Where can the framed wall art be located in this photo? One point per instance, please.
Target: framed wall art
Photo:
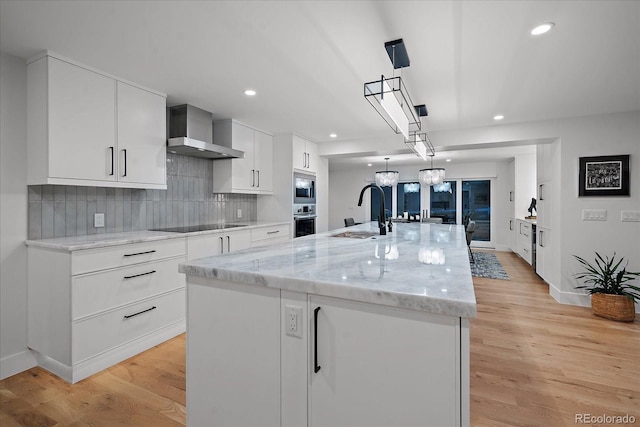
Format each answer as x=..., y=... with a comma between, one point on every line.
x=604, y=176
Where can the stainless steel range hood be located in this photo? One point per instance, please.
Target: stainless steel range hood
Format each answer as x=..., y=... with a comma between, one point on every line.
x=190, y=132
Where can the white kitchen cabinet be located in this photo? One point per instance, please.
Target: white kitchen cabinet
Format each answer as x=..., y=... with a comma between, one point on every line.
x=547, y=262
x=379, y=366
x=545, y=204
x=86, y=127
x=305, y=154
x=233, y=355
x=524, y=240
x=271, y=235
x=252, y=174
x=513, y=235
x=85, y=315
x=141, y=135
x=210, y=244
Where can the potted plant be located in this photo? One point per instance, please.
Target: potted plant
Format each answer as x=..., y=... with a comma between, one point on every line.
x=612, y=297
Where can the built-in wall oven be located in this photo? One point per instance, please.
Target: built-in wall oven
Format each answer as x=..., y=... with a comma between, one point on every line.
x=304, y=189
x=304, y=217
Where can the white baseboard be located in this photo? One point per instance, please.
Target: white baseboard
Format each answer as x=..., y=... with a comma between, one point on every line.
x=16, y=363
x=88, y=367
x=503, y=248
x=573, y=298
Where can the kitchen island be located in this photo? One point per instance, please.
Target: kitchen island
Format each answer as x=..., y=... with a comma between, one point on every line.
x=341, y=328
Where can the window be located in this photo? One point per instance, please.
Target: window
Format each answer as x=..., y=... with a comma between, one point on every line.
x=375, y=203
x=409, y=198
x=476, y=206
x=443, y=201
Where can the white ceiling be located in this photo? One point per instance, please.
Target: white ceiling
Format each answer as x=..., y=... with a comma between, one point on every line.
x=308, y=60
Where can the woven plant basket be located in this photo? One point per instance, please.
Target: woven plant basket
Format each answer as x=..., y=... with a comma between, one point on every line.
x=613, y=307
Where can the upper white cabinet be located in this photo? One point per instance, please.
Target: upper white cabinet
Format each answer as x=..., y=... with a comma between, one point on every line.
x=141, y=136
x=252, y=174
x=305, y=154
x=88, y=128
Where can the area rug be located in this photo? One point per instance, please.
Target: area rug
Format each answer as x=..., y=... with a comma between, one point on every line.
x=487, y=265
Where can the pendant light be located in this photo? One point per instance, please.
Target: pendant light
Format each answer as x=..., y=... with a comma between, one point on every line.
x=431, y=175
x=387, y=178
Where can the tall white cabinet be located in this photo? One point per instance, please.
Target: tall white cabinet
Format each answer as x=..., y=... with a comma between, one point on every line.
x=547, y=241
x=86, y=127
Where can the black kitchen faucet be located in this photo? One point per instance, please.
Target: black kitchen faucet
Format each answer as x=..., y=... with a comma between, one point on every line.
x=382, y=214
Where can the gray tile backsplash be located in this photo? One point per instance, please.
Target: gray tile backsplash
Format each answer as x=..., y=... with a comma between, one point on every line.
x=64, y=210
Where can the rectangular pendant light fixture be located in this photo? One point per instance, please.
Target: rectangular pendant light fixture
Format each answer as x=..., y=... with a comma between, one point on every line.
x=389, y=97
x=420, y=144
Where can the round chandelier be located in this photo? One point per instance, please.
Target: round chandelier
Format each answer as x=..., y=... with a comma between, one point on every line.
x=431, y=176
x=387, y=178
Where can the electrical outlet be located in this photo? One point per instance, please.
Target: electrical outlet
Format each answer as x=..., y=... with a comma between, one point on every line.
x=239, y=213
x=293, y=321
x=98, y=220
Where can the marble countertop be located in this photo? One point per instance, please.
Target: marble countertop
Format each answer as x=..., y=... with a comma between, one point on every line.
x=398, y=270
x=93, y=241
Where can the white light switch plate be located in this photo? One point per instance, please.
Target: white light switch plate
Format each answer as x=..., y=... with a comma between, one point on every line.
x=98, y=220
x=630, y=216
x=594, y=215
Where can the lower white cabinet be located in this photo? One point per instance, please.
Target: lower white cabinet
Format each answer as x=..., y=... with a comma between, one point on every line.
x=84, y=316
x=379, y=366
x=336, y=363
x=547, y=265
x=211, y=244
x=524, y=237
x=265, y=236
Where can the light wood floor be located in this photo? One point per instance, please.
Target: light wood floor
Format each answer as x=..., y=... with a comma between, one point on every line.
x=534, y=362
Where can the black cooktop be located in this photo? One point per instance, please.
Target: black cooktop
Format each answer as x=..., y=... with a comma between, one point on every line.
x=192, y=228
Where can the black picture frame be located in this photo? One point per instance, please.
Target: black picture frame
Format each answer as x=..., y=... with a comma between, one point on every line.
x=604, y=176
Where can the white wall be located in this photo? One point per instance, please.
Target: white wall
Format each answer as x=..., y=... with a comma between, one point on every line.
x=14, y=355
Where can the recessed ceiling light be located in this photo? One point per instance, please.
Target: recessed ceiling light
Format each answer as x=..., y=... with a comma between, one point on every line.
x=369, y=164
x=542, y=28
x=250, y=92
x=448, y=160
x=498, y=117
x=333, y=135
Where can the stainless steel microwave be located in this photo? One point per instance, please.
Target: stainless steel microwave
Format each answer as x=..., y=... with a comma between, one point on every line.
x=304, y=188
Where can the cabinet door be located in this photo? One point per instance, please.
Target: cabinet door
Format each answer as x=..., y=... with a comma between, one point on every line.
x=544, y=204
x=541, y=251
x=263, y=151
x=312, y=156
x=82, y=123
x=381, y=366
x=141, y=136
x=243, y=170
x=204, y=245
x=299, y=153
x=237, y=240
x=233, y=355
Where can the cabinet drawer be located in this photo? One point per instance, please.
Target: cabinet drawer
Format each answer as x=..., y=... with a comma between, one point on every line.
x=95, y=292
x=273, y=232
x=89, y=260
x=106, y=331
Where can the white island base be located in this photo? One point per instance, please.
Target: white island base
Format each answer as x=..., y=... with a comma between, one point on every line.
x=379, y=366
x=327, y=331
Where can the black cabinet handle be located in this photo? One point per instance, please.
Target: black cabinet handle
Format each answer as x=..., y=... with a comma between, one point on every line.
x=304, y=160
x=228, y=243
x=253, y=177
x=258, y=172
x=221, y=245
x=540, y=195
x=273, y=232
x=125, y=162
x=511, y=196
x=141, y=274
x=541, y=238
x=315, y=340
x=129, y=316
x=308, y=160
x=112, y=161
x=141, y=253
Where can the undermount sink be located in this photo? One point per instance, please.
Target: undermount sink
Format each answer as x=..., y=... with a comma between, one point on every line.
x=356, y=234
